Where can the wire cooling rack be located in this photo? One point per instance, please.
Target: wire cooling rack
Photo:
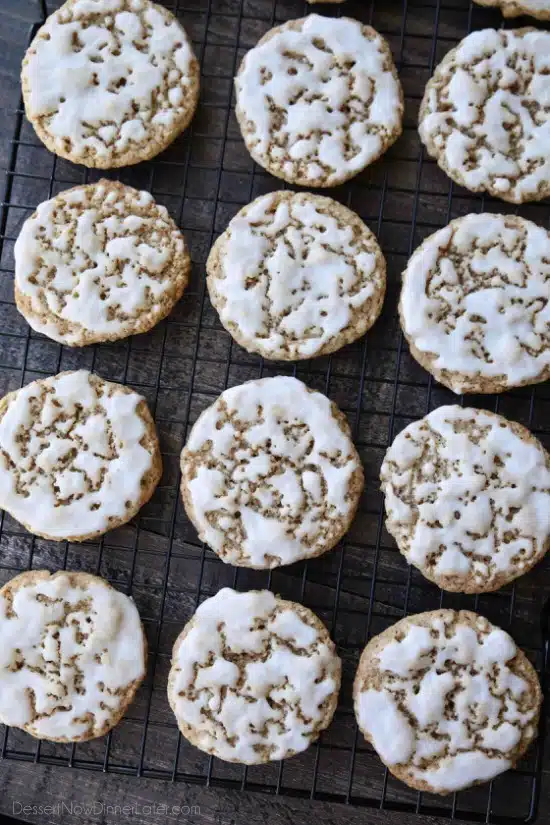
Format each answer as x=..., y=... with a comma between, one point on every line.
x=181, y=366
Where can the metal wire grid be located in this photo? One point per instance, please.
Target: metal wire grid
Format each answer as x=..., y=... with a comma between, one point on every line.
x=181, y=366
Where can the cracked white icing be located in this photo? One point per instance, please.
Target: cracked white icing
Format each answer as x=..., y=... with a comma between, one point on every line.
x=485, y=115
x=446, y=699
x=295, y=274
x=98, y=262
x=475, y=298
x=107, y=79
x=318, y=99
x=253, y=678
x=270, y=474
x=468, y=498
x=75, y=454
x=72, y=652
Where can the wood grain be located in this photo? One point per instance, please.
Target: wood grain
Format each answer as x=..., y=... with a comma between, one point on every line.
x=36, y=785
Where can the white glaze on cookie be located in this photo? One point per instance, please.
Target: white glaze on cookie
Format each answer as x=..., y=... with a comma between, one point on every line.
x=318, y=100
x=98, y=262
x=253, y=677
x=270, y=474
x=293, y=274
x=72, y=647
x=476, y=297
x=468, y=498
x=71, y=457
x=485, y=115
x=109, y=78
x=444, y=700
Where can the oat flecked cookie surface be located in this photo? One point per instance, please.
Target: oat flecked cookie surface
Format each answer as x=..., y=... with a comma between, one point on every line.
x=78, y=455
x=72, y=657
x=485, y=118
x=513, y=8
x=98, y=263
x=468, y=498
x=110, y=83
x=253, y=678
x=296, y=275
x=475, y=303
x=447, y=700
x=270, y=474
x=318, y=100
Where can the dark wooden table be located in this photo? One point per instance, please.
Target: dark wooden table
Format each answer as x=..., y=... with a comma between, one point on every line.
x=37, y=792
x=115, y=800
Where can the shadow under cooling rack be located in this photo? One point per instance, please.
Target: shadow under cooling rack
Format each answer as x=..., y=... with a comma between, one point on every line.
x=362, y=586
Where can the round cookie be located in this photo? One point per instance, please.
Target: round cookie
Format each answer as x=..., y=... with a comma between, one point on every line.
x=318, y=100
x=253, y=678
x=98, y=263
x=109, y=83
x=484, y=116
x=475, y=303
x=78, y=455
x=447, y=700
x=73, y=655
x=513, y=8
x=296, y=275
x=270, y=474
x=468, y=498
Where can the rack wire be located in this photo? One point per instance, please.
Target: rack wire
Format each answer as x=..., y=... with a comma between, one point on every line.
x=363, y=585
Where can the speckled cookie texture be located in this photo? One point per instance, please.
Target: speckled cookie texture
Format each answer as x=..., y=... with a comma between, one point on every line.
x=110, y=83
x=78, y=455
x=468, y=498
x=513, y=8
x=253, y=678
x=318, y=100
x=475, y=303
x=72, y=657
x=270, y=474
x=447, y=700
x=485, y=116
x=98, y=263
x=296, y=275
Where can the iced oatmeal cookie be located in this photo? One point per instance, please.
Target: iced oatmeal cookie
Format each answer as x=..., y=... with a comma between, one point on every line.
x=253, y=678
x=296, y=275
x=468, y=498
x=475, y=303
x=110, y=83
x=98, y=263
x=270, y=474
x=318, y=100
x=78, y=455
x=485, y=114
x=447, y=700
x=73, y=655
x=513, y=8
